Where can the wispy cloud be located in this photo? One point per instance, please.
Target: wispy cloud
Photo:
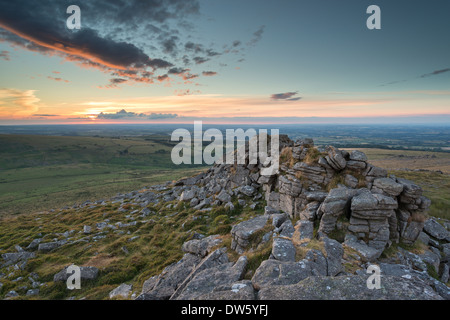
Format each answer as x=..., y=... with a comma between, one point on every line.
x=257, y=36
x=200, y=60
x=4, y=55
x=287, y=96
x=14, y=102
x=186, y=92
x=44, y=115
x=58, y=79
x=426, y=75
x=113, y=83
x=434, y=73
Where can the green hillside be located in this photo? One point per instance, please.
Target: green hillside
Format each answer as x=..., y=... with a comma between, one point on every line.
x=43, y=172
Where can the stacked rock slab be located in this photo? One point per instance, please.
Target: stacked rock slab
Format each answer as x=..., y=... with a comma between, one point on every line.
x=412, y=208
x=337, y=203
x=290, y=189
x=369, y=219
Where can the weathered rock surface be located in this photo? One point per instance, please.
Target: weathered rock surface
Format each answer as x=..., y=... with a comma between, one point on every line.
x=242, y=232
x=201, y=247
x=15, y=257
x=163, y=286
x=240, y=290
x=350, y=288
x=305, y=229
x=273, y=272
x=123, y=291
x=283, y=249
x=206, y=281
x=334, y=255
x=436, y=230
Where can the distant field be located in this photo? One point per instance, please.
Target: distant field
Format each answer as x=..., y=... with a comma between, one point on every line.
x=401, y=159
x=406, y=164
x=47, y=172
x=40, y=172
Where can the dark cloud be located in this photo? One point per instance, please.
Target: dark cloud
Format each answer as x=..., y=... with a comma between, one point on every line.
x=162, y=116
x=163, y=77
x=435, y=73
x=136, y=12
x=209, y=73
x=114, y=82
x=200, y=60
x=123, y=114
x=45, y=115
x=37, y=23
x=177, y=71
x=195, y=47
x=183, y=73
x=132, y=39
x=189, y=76
x=109, y=33
x=186, y=60
x=236, y=43
x=118, y=80
x=170, y=45
x=257, y=36
x=287, y=96
x=212, y=53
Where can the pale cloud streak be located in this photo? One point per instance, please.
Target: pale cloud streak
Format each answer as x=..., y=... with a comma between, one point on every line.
x=18, y=103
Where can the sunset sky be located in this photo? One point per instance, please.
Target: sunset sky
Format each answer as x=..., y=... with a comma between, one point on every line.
x=262, y=61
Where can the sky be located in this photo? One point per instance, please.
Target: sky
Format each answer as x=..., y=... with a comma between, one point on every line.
x=224, y=61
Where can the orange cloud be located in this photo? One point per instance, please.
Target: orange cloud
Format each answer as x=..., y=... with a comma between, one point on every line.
x=17, y=103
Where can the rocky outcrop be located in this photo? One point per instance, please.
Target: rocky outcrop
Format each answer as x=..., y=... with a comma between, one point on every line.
x=370, y=208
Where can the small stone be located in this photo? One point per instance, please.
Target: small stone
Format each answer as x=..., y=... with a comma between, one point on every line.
x=87, y=229
x=33, y=292
x=122, y=291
